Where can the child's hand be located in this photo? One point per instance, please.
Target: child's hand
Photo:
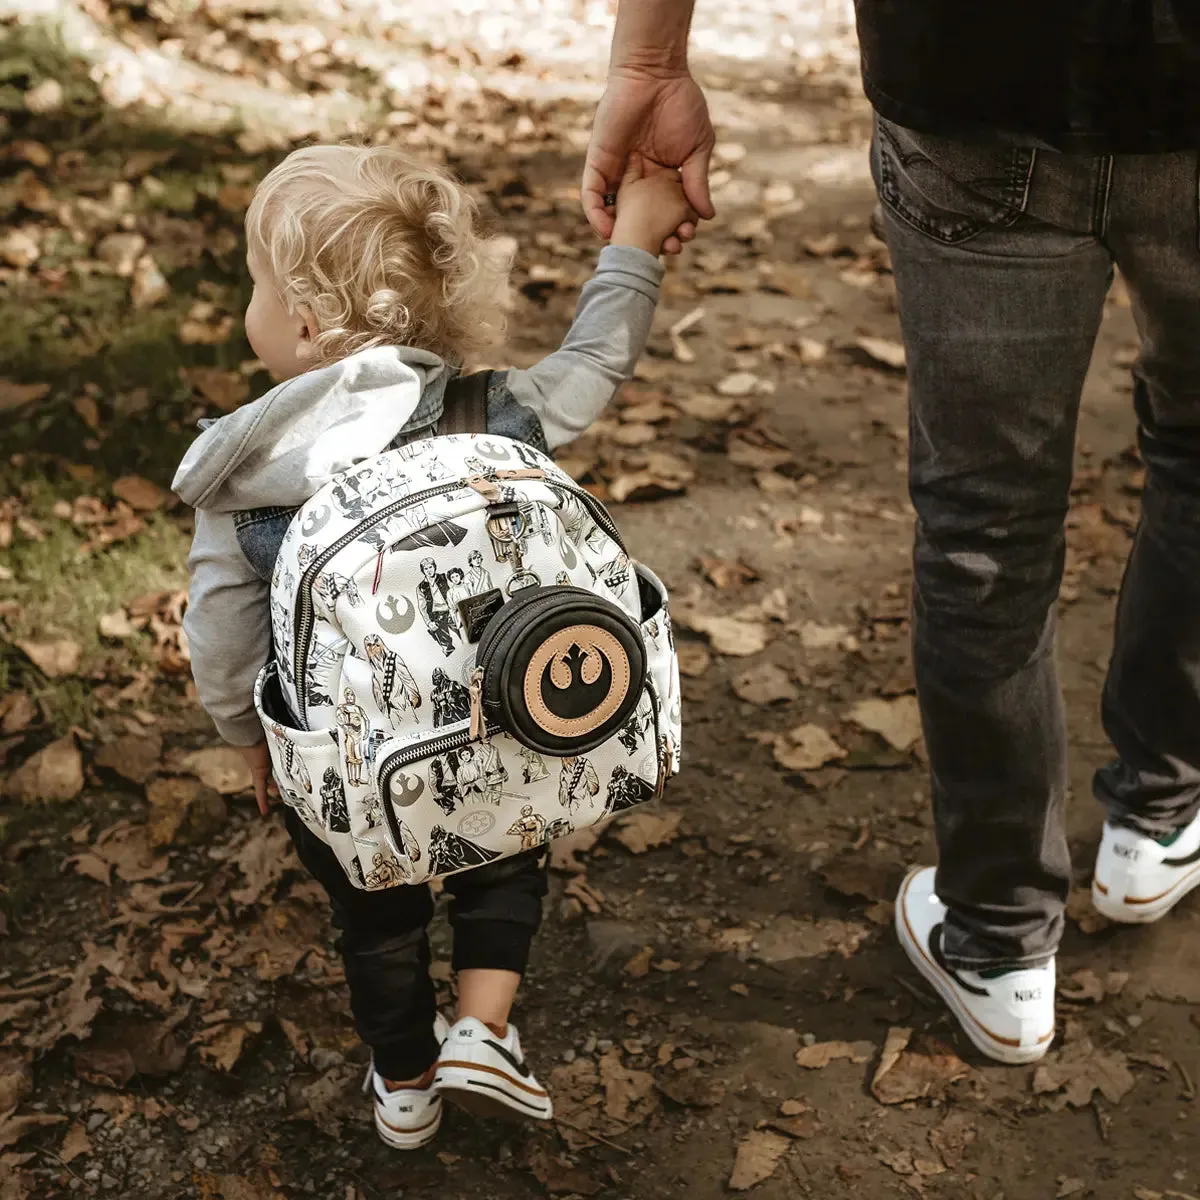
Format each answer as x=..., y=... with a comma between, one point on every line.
x=258, y=759
x=650, y=207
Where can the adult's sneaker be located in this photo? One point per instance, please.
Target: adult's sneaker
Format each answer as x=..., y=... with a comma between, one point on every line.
x=408, y=1118
x=1139, y=879
x=1008, y=1014
x=487, y=1075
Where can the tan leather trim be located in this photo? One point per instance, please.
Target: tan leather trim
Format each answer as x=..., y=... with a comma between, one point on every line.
x=1099, y=887
x=470, y=1066
x=916, y=941
x=594, y=642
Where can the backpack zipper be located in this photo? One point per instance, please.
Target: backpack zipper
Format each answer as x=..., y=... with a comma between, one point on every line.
x=448, y=742
x=305, y=615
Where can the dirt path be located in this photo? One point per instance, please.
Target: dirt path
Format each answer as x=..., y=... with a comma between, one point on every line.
x=172, y=1018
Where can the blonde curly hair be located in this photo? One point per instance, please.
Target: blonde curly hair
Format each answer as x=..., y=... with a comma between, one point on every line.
x=381, y=249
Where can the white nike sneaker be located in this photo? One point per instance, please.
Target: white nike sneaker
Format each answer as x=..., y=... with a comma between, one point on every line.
x=487, y=1075
x=1009, y=1015
x=409, y=1118
x=1139, y=879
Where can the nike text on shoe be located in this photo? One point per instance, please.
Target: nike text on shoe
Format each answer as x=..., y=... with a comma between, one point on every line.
x=406, y=1119
x=1139, y=879
x=1009, y=1015
x=487, y=1075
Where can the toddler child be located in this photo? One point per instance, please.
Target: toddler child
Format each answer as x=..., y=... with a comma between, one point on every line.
x=372, y=286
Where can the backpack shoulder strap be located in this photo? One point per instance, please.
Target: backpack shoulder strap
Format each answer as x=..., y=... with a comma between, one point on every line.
x=464, y=408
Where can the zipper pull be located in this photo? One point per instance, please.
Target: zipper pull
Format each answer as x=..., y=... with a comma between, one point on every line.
x=487, y=488
x=525, y=473
x=478, y=722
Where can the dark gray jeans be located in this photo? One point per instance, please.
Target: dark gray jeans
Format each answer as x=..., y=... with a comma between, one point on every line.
x=1003, y=256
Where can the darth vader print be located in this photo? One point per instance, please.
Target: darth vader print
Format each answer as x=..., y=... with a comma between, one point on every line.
x=625, y=790
x=334, y=814
x=448, y=852
x=451, y=701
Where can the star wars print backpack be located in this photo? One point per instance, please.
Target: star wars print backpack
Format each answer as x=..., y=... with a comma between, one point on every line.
x=468, y=663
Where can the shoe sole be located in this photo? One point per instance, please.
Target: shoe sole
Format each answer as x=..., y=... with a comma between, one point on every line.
x=1138, y=911
x=984, y=1040
x=490, y=1092
x=399, y=1139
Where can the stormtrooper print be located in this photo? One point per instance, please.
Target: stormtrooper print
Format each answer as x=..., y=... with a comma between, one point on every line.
x=530, y=827
x=330, y=587
x=393, y=687
x=578, y=784
x=356, y=728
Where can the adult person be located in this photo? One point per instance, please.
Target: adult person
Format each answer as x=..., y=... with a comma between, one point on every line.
x=1021, y=151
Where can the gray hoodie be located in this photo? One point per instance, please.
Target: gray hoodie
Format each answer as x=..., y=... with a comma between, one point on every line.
x=278, y=451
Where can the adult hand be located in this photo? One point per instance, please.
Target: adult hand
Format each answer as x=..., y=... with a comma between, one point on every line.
x=661, y=115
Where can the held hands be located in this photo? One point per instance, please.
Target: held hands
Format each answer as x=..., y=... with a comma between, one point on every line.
x=258, y=759
x=651, y=208
x=659, y=116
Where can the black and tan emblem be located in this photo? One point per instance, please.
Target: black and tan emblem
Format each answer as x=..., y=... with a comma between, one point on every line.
x=563, y=669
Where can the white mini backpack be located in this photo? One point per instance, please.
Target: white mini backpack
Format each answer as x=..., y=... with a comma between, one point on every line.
x=467, y=664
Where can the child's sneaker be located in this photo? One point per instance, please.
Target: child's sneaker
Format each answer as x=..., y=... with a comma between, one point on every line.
x=1009, y=1015
x=487, y=1075
x=409, y=1118
x=1139, y=879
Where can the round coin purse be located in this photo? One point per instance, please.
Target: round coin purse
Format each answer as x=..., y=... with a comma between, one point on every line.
x=563, y=669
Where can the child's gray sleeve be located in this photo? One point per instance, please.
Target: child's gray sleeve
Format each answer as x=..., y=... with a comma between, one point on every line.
x=228, y=627
x=570, y=388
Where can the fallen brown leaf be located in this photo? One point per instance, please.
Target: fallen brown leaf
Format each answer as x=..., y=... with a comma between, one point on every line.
x=14, y=1128
x=757, y=450
x=1073, y=1074
x=222, y=1046
x=638, y=967
x=54, y=658
x=16, y=1079
x=694, y=659
x=17, y=395
x=132, y=756
x=765, y=684
x=904, y=1075
x=221, y=768
x=183, y=811
x=722, y=573
x=75, y=1144
x=54, y=774
x=558, y=1176
x=758, y=1155
x=806, y=748
x=644, y=830
x=884, y=351
x=135, y=1048
x=821, y=1054
x=140, y=494
x=629, y=1095
x=693, y=1090
x=17, y=713
x=226, y=390
x=897, y=721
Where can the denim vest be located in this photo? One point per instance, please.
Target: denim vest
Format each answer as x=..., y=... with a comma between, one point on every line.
x=260, y=531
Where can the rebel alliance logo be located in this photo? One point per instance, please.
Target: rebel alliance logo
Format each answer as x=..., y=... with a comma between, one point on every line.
x=577, y=680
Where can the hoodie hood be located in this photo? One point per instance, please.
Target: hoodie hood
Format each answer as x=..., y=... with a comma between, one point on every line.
x=284, y=447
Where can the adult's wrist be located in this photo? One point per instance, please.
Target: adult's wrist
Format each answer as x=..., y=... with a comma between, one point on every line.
x=651, y=64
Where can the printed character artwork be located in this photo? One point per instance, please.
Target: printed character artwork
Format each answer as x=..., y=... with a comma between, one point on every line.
x=349, y=496
x=479, y=579
x=330, y=587
x=294, y=800
x=356, y=870
x=334, y=814
x=306, y=555
x=291, y=759
x=615, y=572
x=443, y=781
x=433, y=602
x=448, y=853
x=393, y=687
x=356, y=728
x=596, y=539
x=560, y=827
x=578, y=784
x=387, y=871
x=451, y=701
x=457, y=592
x=639, y=723
x=530, y=827
x=563, y=579
x=533, y=766
x=480, y=774
x=322, y=662
x=531, y=460
x=625, y=790
x=436, y=471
